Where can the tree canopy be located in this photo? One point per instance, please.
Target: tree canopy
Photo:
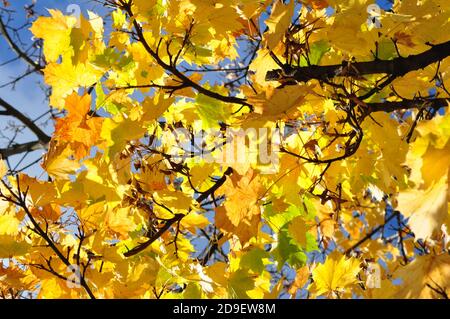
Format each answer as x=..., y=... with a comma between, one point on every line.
x=236, y=149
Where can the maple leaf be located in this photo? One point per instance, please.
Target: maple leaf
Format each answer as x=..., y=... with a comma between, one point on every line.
x=120, y=221
x=57, y=161
x=11, y=247
x=335, y=275
x=3, y=168
x=278, y=23
x=9, y=224
x=78, y=128
x=426, y=277
x=55, y=31
x=52, y=288
x=67, y=78
x=120, y=131
x=297, y=229
x=240, y=213
x=427, y=209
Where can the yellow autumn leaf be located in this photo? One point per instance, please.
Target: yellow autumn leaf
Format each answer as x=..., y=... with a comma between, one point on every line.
x=66, y=78
x=335, y=275
x=78, y=128
x=242, y=189
x=55, y=30
x=14, y=276
x=3, y=168
x=118, y=132
x=298, y=229
x=241, y=213
x=194, y=220
x=155, y=107
x=427, y=209
x=52, y=289
x=11, y=247
x=120, y=221
x=57, y=162
x=275, y=101
x=426, y=277
x=278, y=22
x=9, y=224
x=176, y=201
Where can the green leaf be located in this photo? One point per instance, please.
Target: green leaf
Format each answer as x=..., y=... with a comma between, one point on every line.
x=277, y=220
x=309, y=210
x=211, y=111
x=109, y=58
x=102, y=101
x=316, y=52
x=311, y=243
x=288, y=250
x=386, y=50
x=253, y=260
x=112, y=58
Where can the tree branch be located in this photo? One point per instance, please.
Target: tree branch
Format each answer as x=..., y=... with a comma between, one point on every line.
x=178, y=217
x=171, y=68
x=10, y=110
x=17, y=50
x=407, y=104
x=20, y=199
x=21, y=148
x=396, y=67
x=371, y=233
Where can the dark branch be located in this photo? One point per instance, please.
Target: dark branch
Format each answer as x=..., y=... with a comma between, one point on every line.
x=158, y=234
x=172, y=69
x=371, y=233
x=396, y=67
x=407, y=104
x=178, y=217
x=21, y=148
x=17, y=50
x=10, y=110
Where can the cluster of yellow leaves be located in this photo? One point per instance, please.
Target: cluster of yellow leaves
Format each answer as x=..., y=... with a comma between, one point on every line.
x=427, y=202
x=12, y=241
x=110, y=176
x=423, y=278
x=13, y=280
x=78, y=128
x=70, y=49
x=278, y=22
